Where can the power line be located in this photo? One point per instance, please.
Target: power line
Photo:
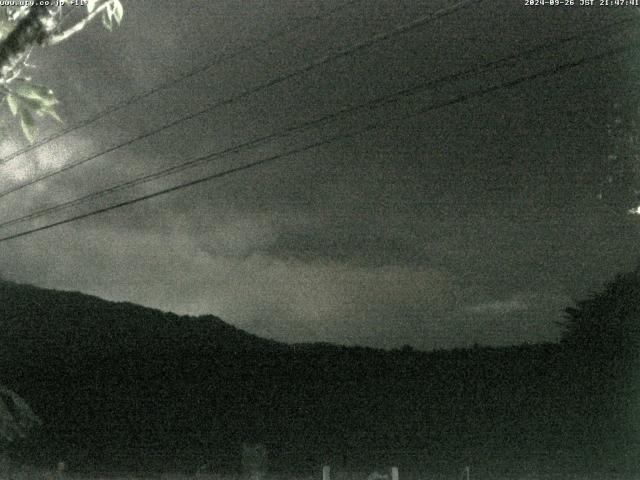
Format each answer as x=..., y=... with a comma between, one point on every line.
x=218, y=60
x=460, y=98
x=382, y=100
x=234, y=98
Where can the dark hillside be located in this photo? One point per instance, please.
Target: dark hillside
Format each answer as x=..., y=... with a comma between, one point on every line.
x=98, y=373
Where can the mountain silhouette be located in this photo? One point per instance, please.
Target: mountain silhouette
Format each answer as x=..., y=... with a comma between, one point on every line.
x=121, y=386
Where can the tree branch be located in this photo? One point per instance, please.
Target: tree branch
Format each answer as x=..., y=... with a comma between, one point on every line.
x=62, y=36
x=32, y=29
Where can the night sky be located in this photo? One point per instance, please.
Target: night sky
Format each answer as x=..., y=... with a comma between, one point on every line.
x=478, y=222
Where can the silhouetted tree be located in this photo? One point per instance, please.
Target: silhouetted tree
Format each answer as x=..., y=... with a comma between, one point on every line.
x=606, y=326
x=602, y=340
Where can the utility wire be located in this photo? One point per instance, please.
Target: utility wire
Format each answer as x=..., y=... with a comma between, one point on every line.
x=234, y=98
x=378, y=101
x=218, y=60
x=271, y=159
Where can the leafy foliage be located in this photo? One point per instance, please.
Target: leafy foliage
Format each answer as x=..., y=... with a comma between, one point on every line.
x=114, y=12
x=607, y=325
x=602, y=340
x=26, y=100
x=16, y=417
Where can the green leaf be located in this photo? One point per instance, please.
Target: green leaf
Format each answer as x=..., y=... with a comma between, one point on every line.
x=52, y=113
x=38, y=93
x=28, y=125
x=40, y=109
x=13, y=104
x=107, y=22
x=5, y=27
x=91, y=5
x=118, y=11
x=32, y=105
x=114, y=11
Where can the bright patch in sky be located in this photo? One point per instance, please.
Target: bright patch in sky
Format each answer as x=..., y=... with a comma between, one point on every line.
x=500, y=306
x=29, y=166
x=635, y=211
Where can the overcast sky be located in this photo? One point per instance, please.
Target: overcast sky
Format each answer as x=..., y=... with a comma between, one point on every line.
x=473, y=223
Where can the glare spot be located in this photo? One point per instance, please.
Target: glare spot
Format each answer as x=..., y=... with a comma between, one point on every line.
x=635, y=211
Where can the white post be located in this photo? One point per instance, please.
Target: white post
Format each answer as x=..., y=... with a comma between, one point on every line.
x=394, y=473
x=326, y=472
